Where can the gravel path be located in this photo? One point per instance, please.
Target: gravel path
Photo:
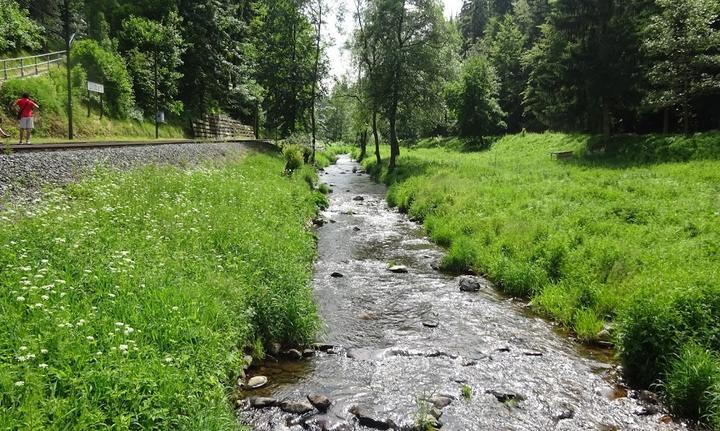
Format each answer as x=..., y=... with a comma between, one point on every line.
x=24, y=175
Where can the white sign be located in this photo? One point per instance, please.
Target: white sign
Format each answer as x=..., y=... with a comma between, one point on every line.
x=96, y=88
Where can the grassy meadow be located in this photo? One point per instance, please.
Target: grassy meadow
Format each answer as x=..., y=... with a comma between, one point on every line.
x=624, y=238
x=129, y=300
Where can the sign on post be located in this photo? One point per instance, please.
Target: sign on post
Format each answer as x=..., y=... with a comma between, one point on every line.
x=96, y=88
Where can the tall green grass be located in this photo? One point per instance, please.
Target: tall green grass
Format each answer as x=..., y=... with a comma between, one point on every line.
x=627, y=233
x=128, y=300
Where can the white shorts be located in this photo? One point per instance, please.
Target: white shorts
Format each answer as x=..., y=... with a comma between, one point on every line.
x=26, y=123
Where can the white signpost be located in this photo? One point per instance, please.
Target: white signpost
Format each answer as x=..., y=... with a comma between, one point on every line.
x=94, y=87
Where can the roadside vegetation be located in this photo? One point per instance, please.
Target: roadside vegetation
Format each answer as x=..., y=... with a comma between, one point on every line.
x=130, y=299
x=621, y=239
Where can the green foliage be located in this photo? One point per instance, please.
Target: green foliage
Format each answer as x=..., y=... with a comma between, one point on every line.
x=41, y=89
x=584, y=68
x=474, y=99
x=467, y=392
x=690, y=382
x=145, y=42
x=109, y=68
x=285, y=55
x=128, y=299
x=505, y=50
x=407, y=67
x=683, y=40
x=17, y=31
x=294, y=159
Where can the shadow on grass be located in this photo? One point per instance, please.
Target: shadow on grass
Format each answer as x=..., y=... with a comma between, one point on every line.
x=625, y=151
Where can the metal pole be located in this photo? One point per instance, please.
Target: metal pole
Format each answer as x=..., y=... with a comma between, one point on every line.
x=101, y=104
x=66, y=19
x=157, y=125
x=89, y=101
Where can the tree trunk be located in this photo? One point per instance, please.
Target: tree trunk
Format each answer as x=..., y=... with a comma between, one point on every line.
x=666, y=121
x=394, y=147
x=605, y=119
x=318, y=29
x=363, y=145
x=376, y=136
x=686, y=118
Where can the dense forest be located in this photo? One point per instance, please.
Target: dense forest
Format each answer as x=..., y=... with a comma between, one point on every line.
x=597, y=66
x=231, y=56
x=638, y=66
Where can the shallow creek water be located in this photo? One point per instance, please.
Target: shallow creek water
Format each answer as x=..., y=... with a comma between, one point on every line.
x=386, y=359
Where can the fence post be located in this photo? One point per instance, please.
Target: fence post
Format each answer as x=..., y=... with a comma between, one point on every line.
x=22, y=68
x=5, y=69
x=37, y=72
x=48, y=63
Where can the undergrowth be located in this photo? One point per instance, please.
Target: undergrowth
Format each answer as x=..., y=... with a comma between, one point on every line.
x=130, y=299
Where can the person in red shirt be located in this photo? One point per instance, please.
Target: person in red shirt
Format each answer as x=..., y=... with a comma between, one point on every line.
x=25, y=114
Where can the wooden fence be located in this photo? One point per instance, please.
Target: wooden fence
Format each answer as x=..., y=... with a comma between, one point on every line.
x=24, y=67
x=220, y=127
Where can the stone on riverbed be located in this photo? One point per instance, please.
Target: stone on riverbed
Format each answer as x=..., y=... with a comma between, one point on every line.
x=440, y=401
x=505, y=397
x=257, y=382
x=431, y=323
x=262, y=402
x=358, y=198
x=293, y=354
x=469, y=284
x=321, y=402
x=337, y=275
x=398, y=269
x=323, y=347
x=364, y=419
x=296, y=407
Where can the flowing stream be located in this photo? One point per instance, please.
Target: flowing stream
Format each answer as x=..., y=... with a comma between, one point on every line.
x=401, y=338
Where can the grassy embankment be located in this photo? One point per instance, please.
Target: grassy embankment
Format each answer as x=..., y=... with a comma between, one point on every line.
x=630, y=238
x=129, y=300
x=51, y=121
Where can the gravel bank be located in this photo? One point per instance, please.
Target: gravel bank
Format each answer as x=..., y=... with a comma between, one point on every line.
x=24, y=175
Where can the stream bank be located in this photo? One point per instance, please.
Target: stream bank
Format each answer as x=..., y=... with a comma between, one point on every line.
x=410, y=345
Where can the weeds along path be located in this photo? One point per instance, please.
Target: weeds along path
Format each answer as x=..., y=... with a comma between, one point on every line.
x=401, y=338
x=128, y=298
x=24, y=175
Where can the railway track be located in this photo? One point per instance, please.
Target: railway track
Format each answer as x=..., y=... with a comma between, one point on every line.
x=82, y=145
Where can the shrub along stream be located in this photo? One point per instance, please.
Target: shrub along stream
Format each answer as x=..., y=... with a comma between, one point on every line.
x=627, y=241
x=128, y=300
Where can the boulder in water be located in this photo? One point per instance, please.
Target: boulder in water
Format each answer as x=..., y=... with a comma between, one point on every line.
x=296, y=407
x=469, y=284
x=321, y=402
x=364, y=419
x=262, y=402
x=398, y=269
x=257, y=382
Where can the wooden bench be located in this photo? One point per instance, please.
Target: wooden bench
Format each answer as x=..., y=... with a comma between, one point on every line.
x=561, y=155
